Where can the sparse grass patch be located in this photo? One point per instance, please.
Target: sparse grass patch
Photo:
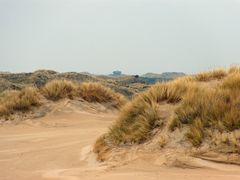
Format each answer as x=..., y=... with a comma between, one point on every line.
x=101, y=148
x=229, y=139
x=58, y=89
x=162, y=142
x=196, y=132
x=174, y=123
x=211, y=75
x=95, y=92
x=233, y=139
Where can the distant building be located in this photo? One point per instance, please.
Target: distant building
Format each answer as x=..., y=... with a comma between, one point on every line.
x=117, y=73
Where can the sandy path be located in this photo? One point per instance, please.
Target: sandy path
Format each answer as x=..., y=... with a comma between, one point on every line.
x=59, y=147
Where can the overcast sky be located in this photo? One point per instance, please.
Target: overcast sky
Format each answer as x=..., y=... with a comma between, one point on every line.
x=135, y=36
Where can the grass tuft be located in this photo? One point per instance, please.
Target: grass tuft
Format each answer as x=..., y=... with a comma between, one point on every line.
x=58, y=89
x=19, y=101
x=196, y=132
x=234, y=69
x=135, y=122
x=95, y=92
x=211, y=75
x=101, y=148
x=172, y=91
x=232, y=81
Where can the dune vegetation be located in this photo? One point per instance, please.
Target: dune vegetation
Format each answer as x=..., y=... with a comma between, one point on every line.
x=23, y=100
x=211, y=75
x=19, y=100
x=205, y=105
x=59, y=89
x=95, y=92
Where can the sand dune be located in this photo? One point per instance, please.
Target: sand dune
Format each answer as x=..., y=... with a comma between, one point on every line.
x=59, y=146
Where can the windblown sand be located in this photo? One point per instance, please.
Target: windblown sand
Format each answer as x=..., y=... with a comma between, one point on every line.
x=59, y=146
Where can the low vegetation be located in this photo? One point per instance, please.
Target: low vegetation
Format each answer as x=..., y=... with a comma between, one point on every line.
x=234, y=69
x=58, y=89
x=101, y=148
x=211, y=75
x=217, y=107
x=196, y=133
x=141, y=116
x=200, y=109
x=227, y=141
x=232, y=82
x=135, y=122
x=95, y=92
x=25, y=99
x=19, y=100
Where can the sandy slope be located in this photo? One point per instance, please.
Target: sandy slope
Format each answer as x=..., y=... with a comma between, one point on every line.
x=59, y=145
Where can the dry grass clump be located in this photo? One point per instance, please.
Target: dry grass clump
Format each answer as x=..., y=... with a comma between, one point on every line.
x=89, y=91
x=196, y=132
x=232, y=81
x=163, y=140
x=101, y=148
x=58, y=89
x=4, y=111
x=216, y=108
x=171, y=92
x=19, y=101
x=231, y=140
x=234, y=69
x=95, y=92
x=138, y=118
x=211, y=75
x=24, y=99
x=136, y=121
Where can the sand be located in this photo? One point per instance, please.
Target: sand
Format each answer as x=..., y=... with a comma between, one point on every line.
x=59, y=146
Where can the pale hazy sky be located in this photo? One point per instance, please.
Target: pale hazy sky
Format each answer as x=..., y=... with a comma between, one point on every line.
x=135, y=36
